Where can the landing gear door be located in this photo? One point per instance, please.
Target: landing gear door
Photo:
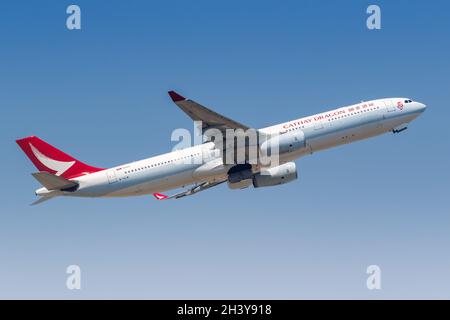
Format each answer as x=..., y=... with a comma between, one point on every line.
x=389, y=105
x=111, y=174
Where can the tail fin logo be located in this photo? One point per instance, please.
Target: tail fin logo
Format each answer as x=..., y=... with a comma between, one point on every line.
x=160, y=196
x=59, y=166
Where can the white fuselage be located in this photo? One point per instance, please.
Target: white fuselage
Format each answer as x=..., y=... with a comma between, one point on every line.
x=204, y=162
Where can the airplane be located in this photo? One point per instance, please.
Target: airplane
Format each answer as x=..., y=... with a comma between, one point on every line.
x=204, y=165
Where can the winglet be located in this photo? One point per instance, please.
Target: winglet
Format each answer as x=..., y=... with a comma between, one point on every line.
x=160, y=196
x=176, y=97
x=41, y=199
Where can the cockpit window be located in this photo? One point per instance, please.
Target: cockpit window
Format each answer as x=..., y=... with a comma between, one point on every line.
x=408, y=101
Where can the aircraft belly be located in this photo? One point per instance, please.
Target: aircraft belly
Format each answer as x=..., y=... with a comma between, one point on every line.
x=174, y=177
x=167, y=183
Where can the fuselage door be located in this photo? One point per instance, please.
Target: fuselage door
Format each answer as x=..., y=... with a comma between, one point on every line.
x=389, y=105
x=111, y=174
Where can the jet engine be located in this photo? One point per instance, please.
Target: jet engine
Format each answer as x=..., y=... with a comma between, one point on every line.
x=275, y=176
x=240, y=176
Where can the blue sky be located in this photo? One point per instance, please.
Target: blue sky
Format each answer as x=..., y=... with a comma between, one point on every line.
x=100, y=94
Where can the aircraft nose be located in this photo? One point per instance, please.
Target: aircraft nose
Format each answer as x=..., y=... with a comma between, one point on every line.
x=421, y=107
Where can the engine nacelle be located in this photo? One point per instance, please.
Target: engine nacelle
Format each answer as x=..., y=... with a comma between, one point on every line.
x=275, y=176
x=283, y=143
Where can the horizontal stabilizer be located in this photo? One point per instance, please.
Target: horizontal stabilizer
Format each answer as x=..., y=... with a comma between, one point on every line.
x=53, y=182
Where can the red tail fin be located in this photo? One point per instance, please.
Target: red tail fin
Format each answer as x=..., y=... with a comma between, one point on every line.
x=47, y=158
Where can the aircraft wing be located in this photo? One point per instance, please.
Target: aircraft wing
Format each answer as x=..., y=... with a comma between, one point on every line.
x=191, y=191
x=209, y=118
